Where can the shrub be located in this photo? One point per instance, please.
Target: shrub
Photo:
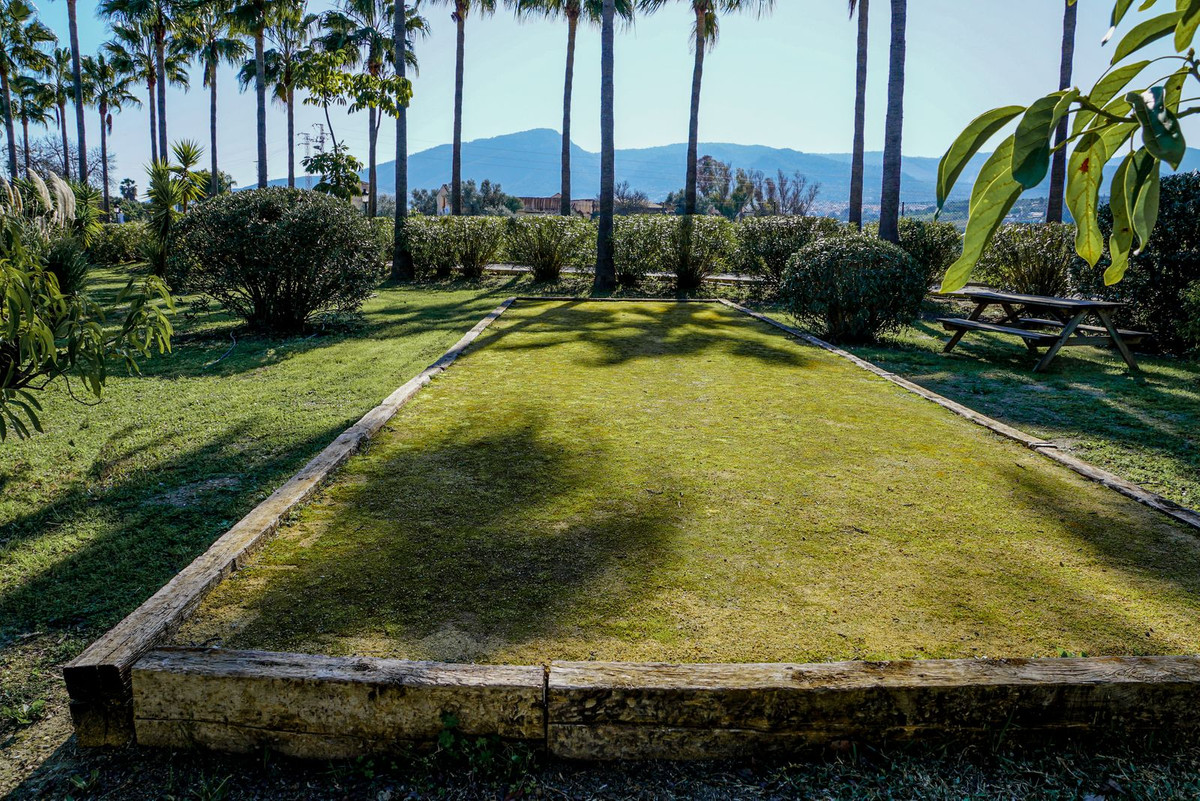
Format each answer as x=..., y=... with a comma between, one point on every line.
x=933, y=245
x=68, y=261
x=1189, y=331
x=383, y=233
x=699, y=247
x=1157, y=279
x=853, y=288
x=1036, y=259
x=278, y=256
x=431, y=243
x=118, y=243
x=640, y=244
x=766, y=243
x=477, y=242
x=548, y=244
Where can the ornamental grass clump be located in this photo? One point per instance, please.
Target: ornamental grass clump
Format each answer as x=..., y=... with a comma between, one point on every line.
x=276, y=257
x=1031, y=258
x=699, y=247
x=548, y=244
x=477, y=242
x=853, y=288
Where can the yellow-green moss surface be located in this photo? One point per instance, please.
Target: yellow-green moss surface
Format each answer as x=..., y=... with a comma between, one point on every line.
x=677, y=482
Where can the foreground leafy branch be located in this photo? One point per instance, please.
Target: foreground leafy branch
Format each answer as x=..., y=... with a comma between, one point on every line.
x=1110, y=117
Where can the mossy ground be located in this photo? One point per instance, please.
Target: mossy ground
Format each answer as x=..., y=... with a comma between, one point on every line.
x=682, y=483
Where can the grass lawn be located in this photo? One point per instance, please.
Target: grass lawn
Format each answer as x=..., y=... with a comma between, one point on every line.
x=683, y=483
x=1146, y=430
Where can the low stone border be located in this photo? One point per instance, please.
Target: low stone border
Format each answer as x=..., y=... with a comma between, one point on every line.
x=98, y=680
x=330, y=707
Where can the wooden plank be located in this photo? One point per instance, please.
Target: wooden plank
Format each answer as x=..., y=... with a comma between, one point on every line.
x=701, y=711
x=325, y=707
x=98, y=679
x=960, y=324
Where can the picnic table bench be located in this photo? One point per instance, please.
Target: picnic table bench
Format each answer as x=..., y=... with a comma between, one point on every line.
x=1044, y=321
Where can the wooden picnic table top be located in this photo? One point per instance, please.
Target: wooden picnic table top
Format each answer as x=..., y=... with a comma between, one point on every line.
x=1046, y=301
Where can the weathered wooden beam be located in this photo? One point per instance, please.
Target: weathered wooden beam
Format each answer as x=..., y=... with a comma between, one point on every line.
x=645, y=711
x=98, y=679
x=324, y=707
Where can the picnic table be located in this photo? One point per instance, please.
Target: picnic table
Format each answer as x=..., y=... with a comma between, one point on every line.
x=1044, y=321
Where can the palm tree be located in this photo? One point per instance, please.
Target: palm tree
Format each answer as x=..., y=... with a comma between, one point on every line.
x=402, y=262
x=289, y=32
x=889, y=204
x=860, y=114
x=77, y=89
x=109, y=90
x=60, y=88
x=159, y=17
x=606, y=268
x=251, y=17
x=21, y=39
x=363, y=30
x=204, y=33
x=462, y=8
x=1058, y=168
x=572, y=11
x=705, y=31
x=32, y=104
x=132, y=51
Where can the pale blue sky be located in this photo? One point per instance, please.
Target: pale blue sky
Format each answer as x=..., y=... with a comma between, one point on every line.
x=785, y=81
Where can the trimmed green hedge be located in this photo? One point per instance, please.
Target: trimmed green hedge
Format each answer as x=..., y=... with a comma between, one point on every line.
x=766, y=244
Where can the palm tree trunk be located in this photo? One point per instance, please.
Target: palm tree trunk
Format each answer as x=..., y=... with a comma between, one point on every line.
x=402, y=263
x=860, y=115
x=77, y=77
x=153, y=120
x=889, y=205
x=9, y=128
x=291, y=135
x=606, y=269
x=260, y=91
x=104, y=156
x=693, y=153
x=62, y=128
x=1058, y=167
x=160, y=67
x=460, y=17
x=25, y=144
x=214, y=182
x=371, y=135
x=568, y=85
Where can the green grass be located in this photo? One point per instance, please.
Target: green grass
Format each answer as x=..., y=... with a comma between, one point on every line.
x=1146, y=429
x=683, y=483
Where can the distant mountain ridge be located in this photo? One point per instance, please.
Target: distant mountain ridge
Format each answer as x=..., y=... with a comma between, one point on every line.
x=528, y=163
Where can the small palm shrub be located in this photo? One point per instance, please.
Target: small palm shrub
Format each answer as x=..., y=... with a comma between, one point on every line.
x=118, y=243
x=1032, y=258
x=277, y=256
x=67, y=259
x=699, y=247
x=477, y=241
x=765, y=244
x=548, y=244
x=933, y=245
x=853, y=288
x=431, y=242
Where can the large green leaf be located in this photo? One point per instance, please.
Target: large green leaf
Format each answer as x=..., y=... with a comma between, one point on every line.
x=1032, y=144
x=1143, y=188
x=1189, y=19
x=967, y=145
x=1121, y=241
x=1174, y=88
x=995, y=193
x=1144, y=33
x=1085, y=174
x=1161, y=132
x=1105, y=90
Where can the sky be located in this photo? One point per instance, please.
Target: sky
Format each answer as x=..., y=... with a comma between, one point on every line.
x=786, y=80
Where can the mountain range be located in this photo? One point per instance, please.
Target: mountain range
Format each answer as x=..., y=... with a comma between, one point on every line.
x=528, y=164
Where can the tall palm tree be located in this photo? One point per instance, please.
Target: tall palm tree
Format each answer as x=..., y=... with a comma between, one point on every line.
x=77, y=89
x=204, y=32
x=289, y=32
x=889, y=205
x=606, y=268
x=363, y=30
x=462, y=8
x=251, y=17
x=21, y=39
x=402, y=263
x=860, y=114
x=32, y=104
x=132, y=51
x=572, y=11
x=61, y=87
x=1058, y=167
x=705, y=31
x=109, y=90
x=159, y=17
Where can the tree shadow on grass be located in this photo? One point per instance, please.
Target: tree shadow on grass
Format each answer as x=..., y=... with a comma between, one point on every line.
x=453, y=547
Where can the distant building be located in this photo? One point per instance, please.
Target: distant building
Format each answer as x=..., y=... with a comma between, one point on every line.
x=584, y=207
